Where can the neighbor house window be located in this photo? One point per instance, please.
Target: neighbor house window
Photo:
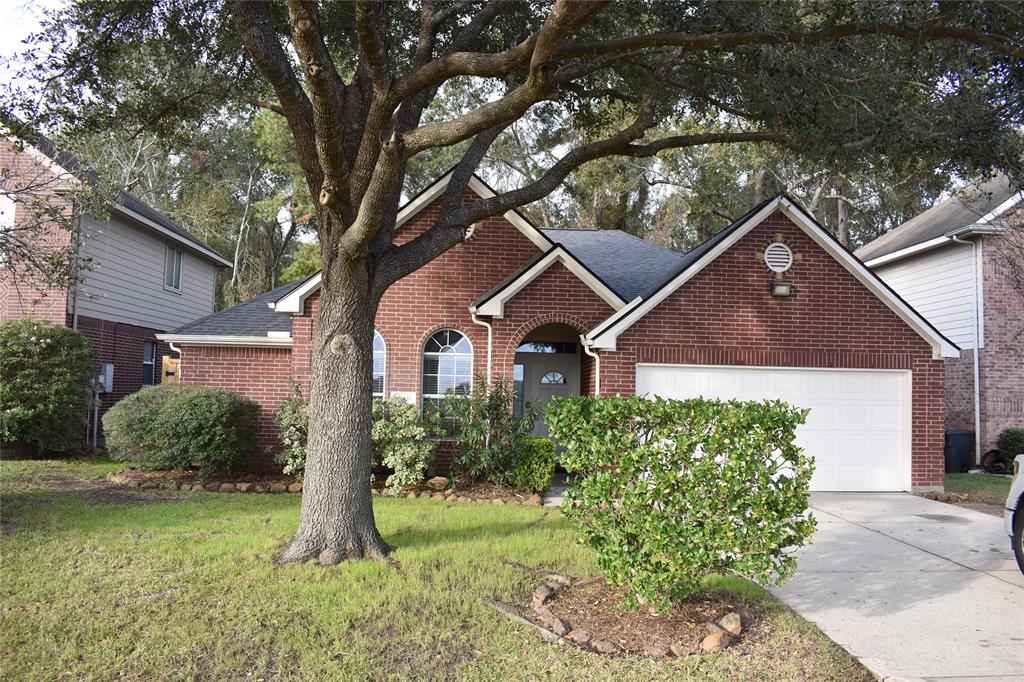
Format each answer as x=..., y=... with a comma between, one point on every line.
x=148, y=362
x=172, y=268
x=379, y=362
x=447, y=366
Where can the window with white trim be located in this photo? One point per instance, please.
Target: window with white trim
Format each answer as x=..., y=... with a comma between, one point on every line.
x=447, y=366
x=379, y=363
x=148, y=362
x=172, y=268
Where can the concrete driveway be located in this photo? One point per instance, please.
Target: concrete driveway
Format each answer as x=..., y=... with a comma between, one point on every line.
x=917, y=590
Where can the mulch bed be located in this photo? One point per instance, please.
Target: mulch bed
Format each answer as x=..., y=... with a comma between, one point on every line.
x=598, y=608
x=477, y=492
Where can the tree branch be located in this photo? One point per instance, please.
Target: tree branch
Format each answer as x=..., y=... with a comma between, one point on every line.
x=371, y=46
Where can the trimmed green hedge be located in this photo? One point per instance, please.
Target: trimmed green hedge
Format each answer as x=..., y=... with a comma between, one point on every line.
x=181, y=427
x=1011, y=444
x=46, y=374
x=668, y=492
x=535, y=465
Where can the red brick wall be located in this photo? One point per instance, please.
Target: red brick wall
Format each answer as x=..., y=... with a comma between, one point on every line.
x=121, y=344
x=726, y=315
x=260, y=374
x=960, y=391
x=1002, y=358
x=33, y=184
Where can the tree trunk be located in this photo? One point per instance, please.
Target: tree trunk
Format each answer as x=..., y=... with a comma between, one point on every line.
x=842, y=214
x=337, y=512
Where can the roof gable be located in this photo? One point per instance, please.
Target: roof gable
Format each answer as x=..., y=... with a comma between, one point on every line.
x=604, y=336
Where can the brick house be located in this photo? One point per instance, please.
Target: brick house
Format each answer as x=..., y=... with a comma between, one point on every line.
x=144, y=274
x=771, y=307
x=953, y=264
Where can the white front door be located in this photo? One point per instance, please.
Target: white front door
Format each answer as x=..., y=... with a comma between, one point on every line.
x=858, y=430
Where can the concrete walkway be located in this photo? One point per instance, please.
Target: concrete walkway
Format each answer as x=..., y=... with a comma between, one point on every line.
x=917, y=590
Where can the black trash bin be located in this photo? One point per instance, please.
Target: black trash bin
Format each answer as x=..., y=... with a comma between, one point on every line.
x=959, y=444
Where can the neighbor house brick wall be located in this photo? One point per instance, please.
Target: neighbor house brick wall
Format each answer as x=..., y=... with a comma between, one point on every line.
x=122, y=345
x=1002, y=358
x=32, y=183
x=264, y=375
x=960, y=391
x=726, y=315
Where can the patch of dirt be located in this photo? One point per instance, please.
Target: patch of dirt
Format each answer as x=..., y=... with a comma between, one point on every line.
x=94, y=492
x=599, y=607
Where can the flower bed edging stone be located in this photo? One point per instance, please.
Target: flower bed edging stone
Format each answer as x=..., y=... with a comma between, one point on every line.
x=250, y=487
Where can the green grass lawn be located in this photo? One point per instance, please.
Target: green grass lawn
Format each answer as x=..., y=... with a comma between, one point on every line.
x=100, y=582
x=986, y=488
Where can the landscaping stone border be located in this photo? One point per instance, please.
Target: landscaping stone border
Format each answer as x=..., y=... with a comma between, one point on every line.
x=250, y=487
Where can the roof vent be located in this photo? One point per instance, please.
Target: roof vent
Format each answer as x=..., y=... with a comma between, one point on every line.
x=778, y=257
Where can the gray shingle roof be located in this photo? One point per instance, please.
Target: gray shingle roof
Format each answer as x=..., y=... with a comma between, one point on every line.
x=251, y=318
x=627, y=264
x=963, y=209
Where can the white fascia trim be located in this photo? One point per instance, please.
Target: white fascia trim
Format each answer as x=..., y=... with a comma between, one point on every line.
x=947, y=238
x=1001, y=209
x=174, y=236
x=238, y=341
x=495, y=306
x=941, y=348
x=295, y=301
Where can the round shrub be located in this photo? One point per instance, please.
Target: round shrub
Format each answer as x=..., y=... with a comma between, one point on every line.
x=292, y=419
x=182, y=427
x=46, y=374
x=128, y=426
x=535, y=465
x=669, y=492
x=1011, y=444
x=210, y=429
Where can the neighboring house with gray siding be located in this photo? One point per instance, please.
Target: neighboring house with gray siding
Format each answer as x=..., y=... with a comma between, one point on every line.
x=144, y=274
x=951, y=264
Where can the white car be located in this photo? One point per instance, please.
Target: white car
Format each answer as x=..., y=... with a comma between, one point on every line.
x=1013, y=516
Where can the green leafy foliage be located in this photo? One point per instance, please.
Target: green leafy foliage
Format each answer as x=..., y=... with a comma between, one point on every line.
x=487, y=433
x=292, y=419
x=403, y=441
x=210, y=429
x=128, y=425
x=535, y=465
x=669, y=492
x=46, y=374
x=1011, y=443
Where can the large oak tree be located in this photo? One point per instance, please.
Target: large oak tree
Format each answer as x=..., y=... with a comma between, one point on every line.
x=355, y=83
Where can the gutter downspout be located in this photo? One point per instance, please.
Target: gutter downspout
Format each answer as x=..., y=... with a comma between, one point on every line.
x=597, y=364
x=77, y=272
x=977, y=345
x=181, y=364
x=490, y=340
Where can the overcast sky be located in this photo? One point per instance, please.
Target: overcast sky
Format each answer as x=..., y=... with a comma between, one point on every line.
x=19, y=18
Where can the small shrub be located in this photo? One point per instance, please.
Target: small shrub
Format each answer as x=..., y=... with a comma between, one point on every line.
x=487, y=433
x=210, y=429
x=292, y=419
x=128, y=425
x=668, y=492
x=403, y=442
x=46, y=374
x=535, y=465
x=1011, y=444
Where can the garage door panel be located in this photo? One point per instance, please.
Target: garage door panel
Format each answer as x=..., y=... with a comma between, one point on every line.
x=857, y=429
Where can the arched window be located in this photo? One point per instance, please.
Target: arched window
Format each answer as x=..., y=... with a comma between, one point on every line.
x=553, y=378
x=447, y=366
x=380, y=353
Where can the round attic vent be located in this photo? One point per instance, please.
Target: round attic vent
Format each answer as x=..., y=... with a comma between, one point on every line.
x=778, y=257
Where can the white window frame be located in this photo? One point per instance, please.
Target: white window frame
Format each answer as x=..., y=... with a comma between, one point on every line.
x=384, y=365
x=168, y=251
x=151, y=363
x=423, y=375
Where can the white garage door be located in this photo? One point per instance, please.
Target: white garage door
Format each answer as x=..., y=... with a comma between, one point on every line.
x=858, y=430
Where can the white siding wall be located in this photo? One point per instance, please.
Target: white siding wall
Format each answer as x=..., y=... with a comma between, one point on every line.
x=126, y=279
x=939, y=284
